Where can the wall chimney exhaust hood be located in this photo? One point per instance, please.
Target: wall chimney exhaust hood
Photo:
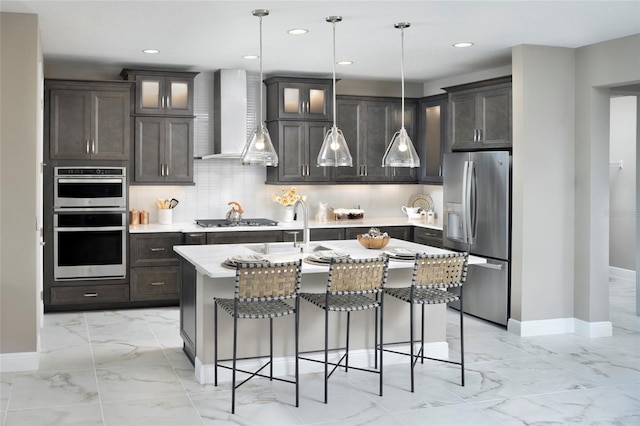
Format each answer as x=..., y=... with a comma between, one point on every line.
x=229, y=113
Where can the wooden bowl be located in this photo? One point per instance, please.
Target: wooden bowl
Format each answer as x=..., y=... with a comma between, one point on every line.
x=373, y=243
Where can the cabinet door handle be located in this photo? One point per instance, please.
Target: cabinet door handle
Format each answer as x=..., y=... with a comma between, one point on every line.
x=308, y=172
x=480, y=137
x=157, y=249
x=162, y=102
x=87, y=145
x=366, y=170
x=195, y=235
x=93, y=146
x=166, y=169
x=91, y=295
x=157, y=284
x=168, y=102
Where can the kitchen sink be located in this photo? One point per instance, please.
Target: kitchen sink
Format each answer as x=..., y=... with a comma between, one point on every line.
x=277, y=248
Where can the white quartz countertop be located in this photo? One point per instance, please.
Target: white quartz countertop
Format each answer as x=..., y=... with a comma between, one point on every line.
x=208, y=259
x=366, y=222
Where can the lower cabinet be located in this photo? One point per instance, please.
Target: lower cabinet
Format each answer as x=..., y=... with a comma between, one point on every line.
x=427, y=236
x=399, y=232
x=89, y=294
x=241, y=237
x=154, y=266
x=155, y=283
x=188, y=323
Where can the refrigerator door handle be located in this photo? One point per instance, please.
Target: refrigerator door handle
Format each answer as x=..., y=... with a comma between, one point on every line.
x=473, y=203
x=465, y=204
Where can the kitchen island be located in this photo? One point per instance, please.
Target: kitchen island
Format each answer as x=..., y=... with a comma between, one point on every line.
x=204, y=277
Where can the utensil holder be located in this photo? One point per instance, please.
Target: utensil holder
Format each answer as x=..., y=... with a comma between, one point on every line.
x=165, y=216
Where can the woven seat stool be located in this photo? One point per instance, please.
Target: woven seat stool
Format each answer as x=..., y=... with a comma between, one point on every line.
x=353, y=285
x=432, y=276
x=260, y=293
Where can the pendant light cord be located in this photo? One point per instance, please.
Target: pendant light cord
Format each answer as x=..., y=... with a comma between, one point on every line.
x=402, y=73
x=334, y=74
x=260, y=82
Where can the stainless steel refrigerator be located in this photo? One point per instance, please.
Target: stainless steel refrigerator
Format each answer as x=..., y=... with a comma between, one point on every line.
x=477, y=219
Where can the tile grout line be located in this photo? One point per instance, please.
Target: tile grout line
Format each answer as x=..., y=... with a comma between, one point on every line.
x=95, y=371
x=162, y=348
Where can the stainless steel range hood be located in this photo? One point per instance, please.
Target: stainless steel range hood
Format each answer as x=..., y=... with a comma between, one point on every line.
x=229, y=113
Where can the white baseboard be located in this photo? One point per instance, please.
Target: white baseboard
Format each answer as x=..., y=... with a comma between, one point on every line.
x=19, y=361
x=560, y=326
x=622, y=274
x=284, y=366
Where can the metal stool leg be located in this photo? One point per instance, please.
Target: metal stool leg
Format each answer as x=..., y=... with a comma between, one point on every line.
x=381, y=337
x=271, y=349
x=235, y=353
x=215, y=343
x=346, y=357
x=297, y=350
x=412, y=358
x=326, y=351
x=461, y=337
x=422, y=336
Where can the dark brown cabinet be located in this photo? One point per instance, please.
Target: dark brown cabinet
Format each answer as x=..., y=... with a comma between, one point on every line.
x=368, y=125
x=164, y=126
x=427, y=236
x=298, y=144
x=163, y=150
x=88, y=120
x=399, y=232
x=240, y=237
x=433, y=120
x=293, y=98
x=481, y=115
x=162, y=92
x=154, y=266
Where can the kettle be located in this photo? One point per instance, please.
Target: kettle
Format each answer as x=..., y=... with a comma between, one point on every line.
x=235, y=214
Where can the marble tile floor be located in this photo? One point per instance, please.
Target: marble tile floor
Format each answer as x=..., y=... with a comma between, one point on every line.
x=127, y=368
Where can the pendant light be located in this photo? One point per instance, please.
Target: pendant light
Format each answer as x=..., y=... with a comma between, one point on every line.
x=334, y=151
x=259, y=148
x=401, y=152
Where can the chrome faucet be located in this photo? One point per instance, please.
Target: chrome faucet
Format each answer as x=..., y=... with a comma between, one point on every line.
x=305, y=232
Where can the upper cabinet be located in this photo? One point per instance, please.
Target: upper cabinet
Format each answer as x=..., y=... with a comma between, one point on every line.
x=164, y=126
x=368, y=124
x=298, y=144
x=480, y=115
x=293, y=98
x=162, y=92
x=432, y=137
x=88, y=120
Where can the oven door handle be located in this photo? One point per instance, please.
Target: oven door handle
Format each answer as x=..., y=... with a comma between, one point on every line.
x=89, y=228
x=88, y=180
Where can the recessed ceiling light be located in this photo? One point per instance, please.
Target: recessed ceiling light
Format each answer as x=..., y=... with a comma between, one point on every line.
x=250, y=57
x=297, y=31
x=463, y=44
x=151, y=51
x=344, y=62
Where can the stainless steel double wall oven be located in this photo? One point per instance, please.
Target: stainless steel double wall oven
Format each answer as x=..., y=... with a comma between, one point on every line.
x=89, y=223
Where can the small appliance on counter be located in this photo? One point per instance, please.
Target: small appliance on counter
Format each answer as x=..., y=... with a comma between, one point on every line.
x=348, y=214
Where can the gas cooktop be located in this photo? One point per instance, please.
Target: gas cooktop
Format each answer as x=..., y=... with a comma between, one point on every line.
x=222, y=223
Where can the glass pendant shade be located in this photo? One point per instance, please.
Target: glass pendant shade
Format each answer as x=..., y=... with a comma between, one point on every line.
x=401, y=152
x=334, y=151
x=259, y=148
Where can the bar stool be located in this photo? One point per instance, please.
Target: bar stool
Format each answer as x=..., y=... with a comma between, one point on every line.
x=433, y=275
x=351, y=285
x=260, y=293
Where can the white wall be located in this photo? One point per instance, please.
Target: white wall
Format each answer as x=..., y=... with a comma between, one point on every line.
x=543, y=183
x=20, y=126
x=598, y=67
x=622, y=183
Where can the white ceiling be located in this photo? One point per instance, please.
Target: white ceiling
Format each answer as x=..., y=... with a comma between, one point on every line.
x=208, y=35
